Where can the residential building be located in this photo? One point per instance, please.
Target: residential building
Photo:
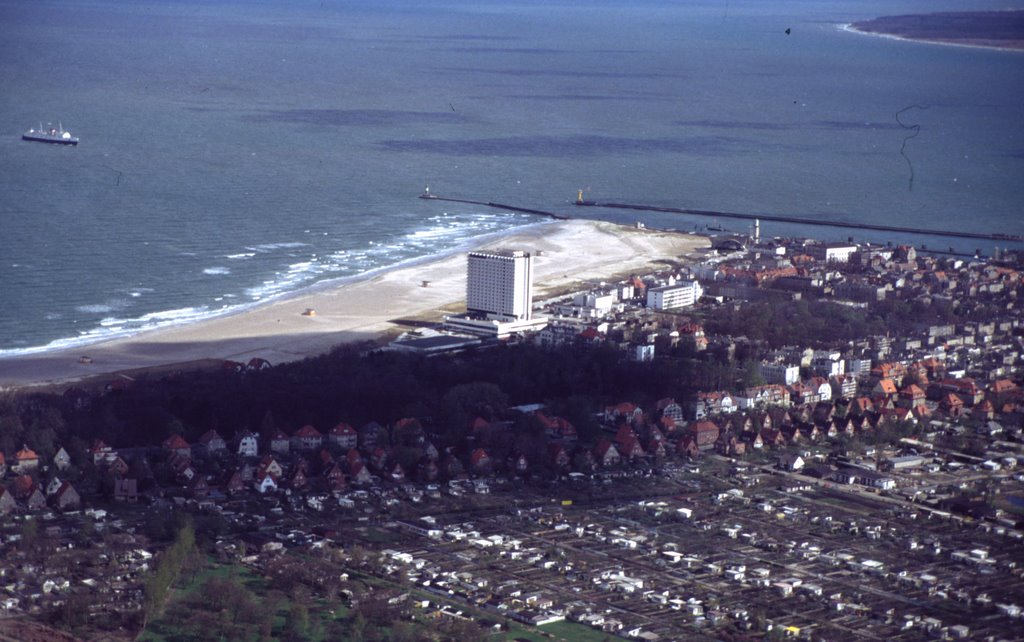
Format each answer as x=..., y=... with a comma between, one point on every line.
x=680, y=295
x=783, y=373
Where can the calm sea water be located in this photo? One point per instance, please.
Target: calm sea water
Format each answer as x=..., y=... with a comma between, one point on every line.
x=235, y=151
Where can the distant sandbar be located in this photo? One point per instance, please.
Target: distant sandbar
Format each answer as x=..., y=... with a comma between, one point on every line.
x=993, y=29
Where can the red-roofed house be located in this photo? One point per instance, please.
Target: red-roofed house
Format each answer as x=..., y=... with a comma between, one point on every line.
x=257, y=363
x=335, y=478
x=705, y=433
x=625, y=411
x=102, y=454
x=280, y=443
x=558, y=457
x=344, y=436
x=212, y=442
x=198, y=487
x=630, y=448
x=176, y=445
x=951, y=404
x=298, y=480
x=669, y=408
x=117, y=468
x=656, y=448
x=884, y=389
x=307, y=438
x=22, y=486
x=687, y=447
x=379, y=458
x=480, y=461
x=234, y=484
x=25, y=460
x=860, y=406
x=624, y=434
x=605, y=453
x=911, y=396
x=359, y=473
x=269, y=466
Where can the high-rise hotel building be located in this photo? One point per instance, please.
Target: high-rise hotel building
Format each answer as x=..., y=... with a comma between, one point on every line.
x=499, y=285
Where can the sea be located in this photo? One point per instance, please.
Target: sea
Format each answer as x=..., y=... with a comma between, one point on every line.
x=235, y=151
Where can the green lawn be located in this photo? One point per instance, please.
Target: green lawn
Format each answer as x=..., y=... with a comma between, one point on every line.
x=167, y=627
x=574, y=632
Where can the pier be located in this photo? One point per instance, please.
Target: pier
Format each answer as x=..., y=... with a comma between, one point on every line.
x=778, y=218
x=426, y=195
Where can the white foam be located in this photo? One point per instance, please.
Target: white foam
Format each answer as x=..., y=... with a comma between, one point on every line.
x=96, y=308
x=114, y=328
x=217, y=270
x=441, y=235
x=270, y=247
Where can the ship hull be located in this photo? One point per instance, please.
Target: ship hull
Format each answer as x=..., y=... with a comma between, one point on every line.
x=51, y=140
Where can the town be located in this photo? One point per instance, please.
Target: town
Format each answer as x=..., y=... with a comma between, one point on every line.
x=778, y=439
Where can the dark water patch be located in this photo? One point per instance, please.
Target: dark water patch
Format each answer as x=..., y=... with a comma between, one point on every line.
x=554, y=73
x=583, y=97
x=852, y=124
x=355, y=117
x=569, y=146
x=488, y=38
x=733, y=124
x=834, y=125
x=1015, y=154
x=507, y=50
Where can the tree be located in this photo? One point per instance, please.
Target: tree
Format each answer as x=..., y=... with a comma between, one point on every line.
x=404, y=632
x=11, y=433
x=296, y=624
x=477, y=399
x=159, y=582
x=29, y=533
x=357, y=628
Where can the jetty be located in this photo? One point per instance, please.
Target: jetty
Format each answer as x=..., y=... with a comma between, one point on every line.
x=427, y=195
x=799, y=220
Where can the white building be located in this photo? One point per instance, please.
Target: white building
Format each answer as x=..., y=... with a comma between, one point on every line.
x=828, y=363
x=832, y=252
x=499, y=285
x=783, y=373
x=499, y=295
x=680, y=295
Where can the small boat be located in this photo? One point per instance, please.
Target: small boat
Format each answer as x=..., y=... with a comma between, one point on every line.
x=51, y=134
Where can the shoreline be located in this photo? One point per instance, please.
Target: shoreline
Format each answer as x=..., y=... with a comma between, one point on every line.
x=85, y=343
x=355, y=309
x=850, y=27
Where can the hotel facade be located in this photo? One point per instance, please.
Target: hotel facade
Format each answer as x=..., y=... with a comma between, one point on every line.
x=499, y=285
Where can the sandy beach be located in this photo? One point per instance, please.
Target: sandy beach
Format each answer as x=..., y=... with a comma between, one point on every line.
x=570, y=252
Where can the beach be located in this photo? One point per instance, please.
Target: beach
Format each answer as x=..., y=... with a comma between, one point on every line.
x=567, y=253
